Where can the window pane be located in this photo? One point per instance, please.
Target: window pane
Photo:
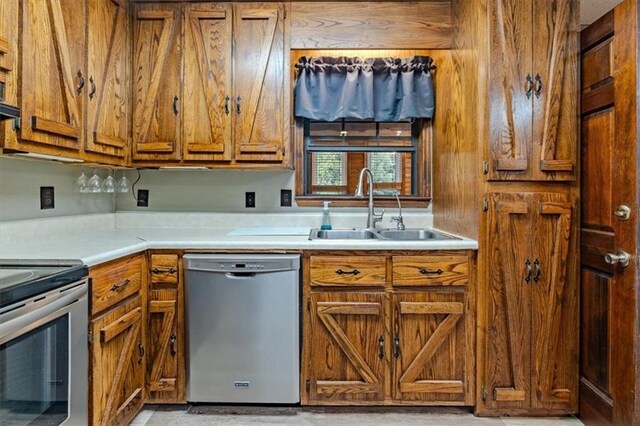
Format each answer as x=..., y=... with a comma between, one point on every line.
x=329, y=173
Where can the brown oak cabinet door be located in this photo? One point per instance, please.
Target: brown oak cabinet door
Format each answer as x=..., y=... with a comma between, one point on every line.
x=429, y=348
x=347, y=354
x=156, y=82
x=53, y=70
x=554, y=304
x=259, y=81
x=555, y=100
x=117, y=364
x=508, y=311
x=107, y=91
x=206, y=131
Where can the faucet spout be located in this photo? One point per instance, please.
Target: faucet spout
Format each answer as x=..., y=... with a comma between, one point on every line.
x=372, y=217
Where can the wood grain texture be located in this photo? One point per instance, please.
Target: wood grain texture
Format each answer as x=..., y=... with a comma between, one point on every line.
x=206, y=104
x=107, y=95
x=433, y=270
x=341, y=271
x=377, y=25
x=156, y=63
x=164, y=268
x=259, y=128
x=115, y=281
x=9, y=31
x=116, y=365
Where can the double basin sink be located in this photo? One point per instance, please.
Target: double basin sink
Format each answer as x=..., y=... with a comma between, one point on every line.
x=410, y=234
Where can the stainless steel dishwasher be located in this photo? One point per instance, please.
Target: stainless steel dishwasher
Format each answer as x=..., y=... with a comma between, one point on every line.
x=243, y=330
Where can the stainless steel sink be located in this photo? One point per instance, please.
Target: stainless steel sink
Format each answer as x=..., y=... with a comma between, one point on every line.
x=411, y=234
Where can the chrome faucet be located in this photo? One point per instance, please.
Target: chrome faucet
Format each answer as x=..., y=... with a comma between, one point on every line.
x=398, y=219
x=372, y=218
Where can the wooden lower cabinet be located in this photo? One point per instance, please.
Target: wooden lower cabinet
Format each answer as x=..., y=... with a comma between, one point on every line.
x=117, y=355
x=368, y=342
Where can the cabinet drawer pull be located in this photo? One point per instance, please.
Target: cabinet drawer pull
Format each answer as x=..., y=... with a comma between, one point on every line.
x=381, y=347
x=425, y=271
x=226, y=104
x=119, y=287
x=396, y=347
x=529, y=86
x=538, y=86
x=172, y=341
x=536, y=268
x=175, y=105
x=80, y=82
x=341, y=272
x=238, y=100
x=140, y=351
x=171, y=270
x=527, y=265
x=93, y=87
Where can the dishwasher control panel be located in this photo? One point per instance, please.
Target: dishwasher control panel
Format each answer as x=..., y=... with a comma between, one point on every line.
x=241, y=263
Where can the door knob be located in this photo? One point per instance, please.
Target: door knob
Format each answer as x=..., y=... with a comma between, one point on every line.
x=623, y=212
x=622, y=258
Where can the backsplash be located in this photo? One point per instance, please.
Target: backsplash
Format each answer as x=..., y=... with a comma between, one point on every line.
x=20, y=182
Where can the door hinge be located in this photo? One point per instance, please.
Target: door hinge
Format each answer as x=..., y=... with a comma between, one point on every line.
x=308, y=385
x=17, y=123
x=485, y=205
x=484, y=394
x=485, y=167
x=90, y=337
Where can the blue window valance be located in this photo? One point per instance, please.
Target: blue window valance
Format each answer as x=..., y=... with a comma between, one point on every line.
x=382, y=89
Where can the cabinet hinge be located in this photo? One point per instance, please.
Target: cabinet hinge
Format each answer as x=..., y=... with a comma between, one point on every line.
x=484, y=394
x=17, y=123
x=90, y=337
x=308, y=385
x=485, y=205
x=309, y=305
x=284, y=151
x=285, y=14
x=485, y=167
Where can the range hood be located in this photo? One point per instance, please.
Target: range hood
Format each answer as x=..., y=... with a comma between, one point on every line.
x=7, y=112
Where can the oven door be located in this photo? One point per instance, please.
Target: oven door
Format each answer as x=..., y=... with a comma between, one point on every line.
x=43, y=360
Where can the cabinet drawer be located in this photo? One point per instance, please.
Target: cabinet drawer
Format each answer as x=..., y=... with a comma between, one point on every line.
x=348, y=270
x=164, y=268
x=115, y=282
x=430, y=270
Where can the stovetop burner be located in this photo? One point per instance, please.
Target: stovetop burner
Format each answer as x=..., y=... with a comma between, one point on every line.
x=24, y=279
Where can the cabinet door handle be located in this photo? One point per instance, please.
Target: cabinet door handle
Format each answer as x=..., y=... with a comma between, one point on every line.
x=172, y=341
x=119, y=287
x=353, y=272
x=93, y=87
x=538, y=271
x=226, y=104
x=175, y=105
x=381, y=347
x=396, y=347
x=140, y=351
x=171, y=270
x=527, y=265
x=425, y=271
x=80, y=82
x=538, y=88
x=238, y=100
x=529, y=86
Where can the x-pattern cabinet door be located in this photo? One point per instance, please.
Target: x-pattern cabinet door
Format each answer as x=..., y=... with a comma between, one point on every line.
x=347, y=347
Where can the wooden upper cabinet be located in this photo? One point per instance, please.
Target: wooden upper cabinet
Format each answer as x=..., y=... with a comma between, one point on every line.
x=206, y=105
x=156, y=82
x=259, y=79
x=531, y=347
x=53, y=81
x=108, y=100
x=533, y=55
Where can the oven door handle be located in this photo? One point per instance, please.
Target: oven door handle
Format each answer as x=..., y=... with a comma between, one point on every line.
x=24, y=323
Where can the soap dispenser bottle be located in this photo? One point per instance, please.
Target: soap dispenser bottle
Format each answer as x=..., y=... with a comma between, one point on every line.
x=326, y=223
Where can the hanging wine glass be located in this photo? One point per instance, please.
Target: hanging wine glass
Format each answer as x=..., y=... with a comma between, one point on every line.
x=109, y=183
x=123, y=185
x=95, y=183
x=82, y=183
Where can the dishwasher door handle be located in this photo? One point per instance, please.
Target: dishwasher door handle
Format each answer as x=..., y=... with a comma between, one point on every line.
x=240, y=275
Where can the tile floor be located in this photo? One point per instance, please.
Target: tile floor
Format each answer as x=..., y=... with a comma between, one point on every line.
x=213, y=415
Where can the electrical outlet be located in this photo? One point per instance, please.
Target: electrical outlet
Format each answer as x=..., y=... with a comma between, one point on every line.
x=46, y=197
x=143, y=198
x=285, y=198
x=249, y=199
